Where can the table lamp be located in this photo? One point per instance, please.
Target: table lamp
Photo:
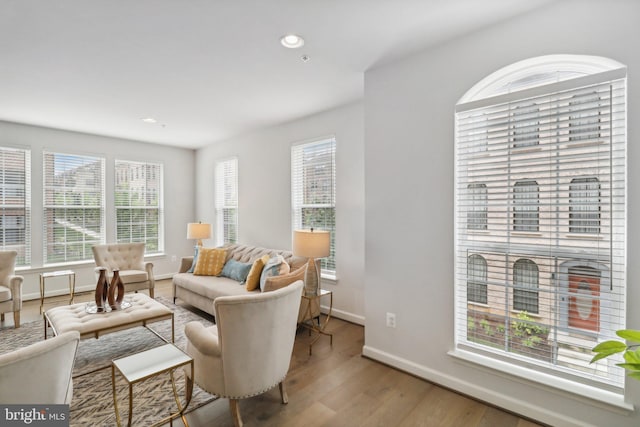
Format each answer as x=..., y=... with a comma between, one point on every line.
x=311, y=244
x=199, y=231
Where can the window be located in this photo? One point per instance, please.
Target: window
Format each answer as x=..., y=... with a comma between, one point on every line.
x=525, y=206
x=477, y=279
x=139, y=204
x=227, y=201
x=525, y=286
x=524, y=126
x=584, y=206
x=477, y=216
x=15, y=203
x=313, y=189
x=553, y=260
x=73, y=206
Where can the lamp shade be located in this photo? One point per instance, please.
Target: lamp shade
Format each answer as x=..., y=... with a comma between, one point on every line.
x=198, y=230
x=311, y=243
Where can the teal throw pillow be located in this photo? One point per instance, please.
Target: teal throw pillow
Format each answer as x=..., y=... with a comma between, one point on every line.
x=236, y=270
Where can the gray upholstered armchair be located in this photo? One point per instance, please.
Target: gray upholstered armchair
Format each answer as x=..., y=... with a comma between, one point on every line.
x=129, y=259
x=40, y=373
x=248, y=351
x=10, y=287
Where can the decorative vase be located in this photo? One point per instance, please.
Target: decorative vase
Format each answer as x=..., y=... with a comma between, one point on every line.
x=102, y=289
x=116, y=291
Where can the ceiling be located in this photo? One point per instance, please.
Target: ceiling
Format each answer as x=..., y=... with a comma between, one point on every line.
x=207, y=70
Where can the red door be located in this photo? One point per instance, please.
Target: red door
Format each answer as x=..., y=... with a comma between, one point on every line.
x=584, y=299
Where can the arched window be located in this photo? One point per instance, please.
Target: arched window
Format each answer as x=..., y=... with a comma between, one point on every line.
x=525, y=286
x=547, y=137
x=584, y=205
x=477, y=215
x=525, y=206
x=477, y=279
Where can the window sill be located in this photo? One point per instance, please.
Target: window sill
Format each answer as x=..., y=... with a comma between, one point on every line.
x=584, y=236
x=331, y=279
x=589, y=394
x=526, y=149
x=526, y=233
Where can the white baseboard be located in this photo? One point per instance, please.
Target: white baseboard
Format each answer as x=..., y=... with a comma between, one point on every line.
x=344, y=315
x=481, y=393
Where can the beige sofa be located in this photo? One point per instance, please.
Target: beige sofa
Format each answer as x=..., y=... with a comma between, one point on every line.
x=201, y=291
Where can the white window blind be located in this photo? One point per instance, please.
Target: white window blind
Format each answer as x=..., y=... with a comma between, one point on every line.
x=313, y=190
x=227, y=201
x=15, y=203
x=553, y=163
x=139, y=204
x=73, y=206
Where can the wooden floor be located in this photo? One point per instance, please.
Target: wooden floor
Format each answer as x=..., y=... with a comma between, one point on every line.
x=335, y=387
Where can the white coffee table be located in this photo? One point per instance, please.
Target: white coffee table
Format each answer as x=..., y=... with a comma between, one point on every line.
x=148, y=364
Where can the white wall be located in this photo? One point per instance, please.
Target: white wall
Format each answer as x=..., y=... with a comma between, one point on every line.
x=409, y=210
x=264, y=195
x=178, y=196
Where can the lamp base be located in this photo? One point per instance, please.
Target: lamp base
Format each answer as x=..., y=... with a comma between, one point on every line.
x=312, y=279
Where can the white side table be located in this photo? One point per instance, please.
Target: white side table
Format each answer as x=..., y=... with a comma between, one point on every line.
x=72, y=283
x=147, y=364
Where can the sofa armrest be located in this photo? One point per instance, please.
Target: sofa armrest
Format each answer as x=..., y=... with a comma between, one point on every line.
x=185, y=264
x=148, y=266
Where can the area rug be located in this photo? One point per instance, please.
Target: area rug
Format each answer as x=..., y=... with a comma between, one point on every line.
x=92, y=402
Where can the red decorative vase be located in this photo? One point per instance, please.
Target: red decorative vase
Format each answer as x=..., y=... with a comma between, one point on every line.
x=116, y=291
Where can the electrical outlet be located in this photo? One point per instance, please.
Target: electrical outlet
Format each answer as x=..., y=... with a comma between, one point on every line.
x=391, y=320
x=174, y=258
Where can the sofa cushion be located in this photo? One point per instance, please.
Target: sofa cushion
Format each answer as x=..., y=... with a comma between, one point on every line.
x=276, y=266
x=133, y=276
x=207, y=286
x=236, y=270
x=5, y=294
x=277, y=282
x=244, y=253
x=210, y=261
x=253, y=279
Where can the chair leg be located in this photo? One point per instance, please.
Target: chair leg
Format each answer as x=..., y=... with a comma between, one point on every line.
x=1, y=317
x=151, y=293
x=16, y=318
x=235, y=412
x=283, y=393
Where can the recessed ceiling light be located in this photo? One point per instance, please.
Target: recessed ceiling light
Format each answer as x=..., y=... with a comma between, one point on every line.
x=149, y=120
x=292, y=41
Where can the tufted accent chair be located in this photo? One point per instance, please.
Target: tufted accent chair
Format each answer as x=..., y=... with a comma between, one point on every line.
x=10, y=287
x=39, y=373
x=248, y=351
x=129, y=259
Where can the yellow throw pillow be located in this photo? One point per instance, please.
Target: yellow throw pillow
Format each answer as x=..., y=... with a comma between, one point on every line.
x=253, y=279
x=210, y=262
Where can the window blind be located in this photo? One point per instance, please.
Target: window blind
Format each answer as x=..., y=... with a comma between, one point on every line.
x=551, y=259
x=139, y=204
x=73, y=206
x=227, y=201
x=313, y=189
x=15, y=203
